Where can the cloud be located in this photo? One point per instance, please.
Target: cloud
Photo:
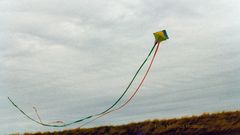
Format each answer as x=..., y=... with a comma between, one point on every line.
x=71, y=59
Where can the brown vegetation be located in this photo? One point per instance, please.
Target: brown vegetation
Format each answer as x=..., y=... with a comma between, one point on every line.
x=225, y=123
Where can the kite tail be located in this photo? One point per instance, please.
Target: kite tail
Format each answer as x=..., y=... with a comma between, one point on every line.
x=135, y=75
x=88, y=117
x=143, y=79
x=40, y=120
x=35, y=109
x=23, y=112
x=57, y=122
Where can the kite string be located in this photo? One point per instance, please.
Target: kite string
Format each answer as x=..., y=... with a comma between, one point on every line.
x=143, y=79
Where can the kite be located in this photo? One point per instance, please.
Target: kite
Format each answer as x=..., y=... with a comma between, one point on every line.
x=159, y=37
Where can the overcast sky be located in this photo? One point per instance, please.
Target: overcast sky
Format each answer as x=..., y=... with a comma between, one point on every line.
x=74, y=58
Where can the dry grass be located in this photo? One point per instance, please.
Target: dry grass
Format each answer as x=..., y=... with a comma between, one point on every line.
x=225, y=123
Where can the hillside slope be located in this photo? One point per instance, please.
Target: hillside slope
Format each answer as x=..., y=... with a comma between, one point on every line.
x=225, y=123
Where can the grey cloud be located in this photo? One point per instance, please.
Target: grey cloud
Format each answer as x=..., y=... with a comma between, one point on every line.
x=64, y=56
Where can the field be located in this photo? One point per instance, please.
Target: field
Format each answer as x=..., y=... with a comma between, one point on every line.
x=224, y=123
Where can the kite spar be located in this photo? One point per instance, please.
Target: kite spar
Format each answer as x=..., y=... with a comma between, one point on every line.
x=159, y=37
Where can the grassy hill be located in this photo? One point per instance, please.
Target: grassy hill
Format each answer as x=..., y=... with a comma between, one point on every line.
x=225, y=123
